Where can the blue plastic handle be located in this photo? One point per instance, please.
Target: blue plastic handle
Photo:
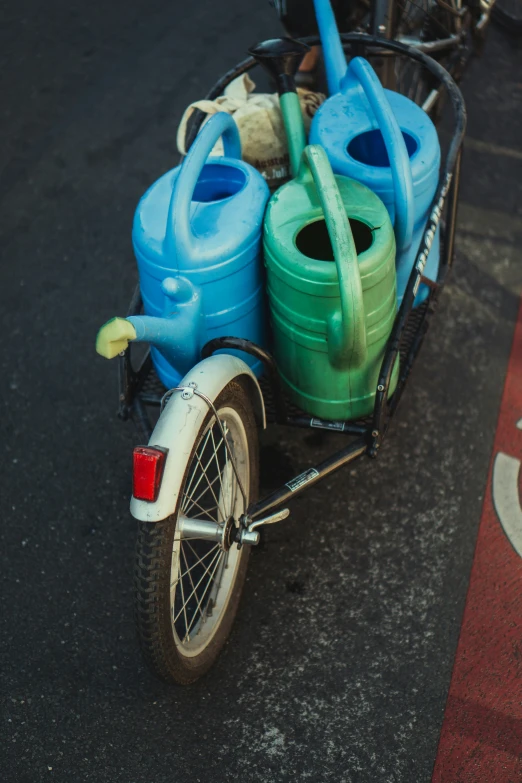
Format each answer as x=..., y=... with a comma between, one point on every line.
x=179, y=239
x=334, y=59
x=338, y=78
x=395, y=147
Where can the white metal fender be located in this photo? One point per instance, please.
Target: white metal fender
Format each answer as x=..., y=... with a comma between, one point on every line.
x=179, y=424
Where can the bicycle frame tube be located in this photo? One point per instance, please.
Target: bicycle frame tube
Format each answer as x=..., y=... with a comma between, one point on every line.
x=308, y=478
x=382, y=23
x=382, y=18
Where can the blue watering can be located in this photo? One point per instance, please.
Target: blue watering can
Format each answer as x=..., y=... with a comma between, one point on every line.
x=382, y=139
x=197, y=241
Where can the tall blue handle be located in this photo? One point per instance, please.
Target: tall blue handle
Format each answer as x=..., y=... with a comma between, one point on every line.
x=179, y=239
x=338, y=77
x=395, y=147
x=334, y=59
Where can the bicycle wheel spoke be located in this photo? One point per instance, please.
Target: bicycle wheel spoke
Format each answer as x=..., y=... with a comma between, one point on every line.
x=183, y=607
x=194, y=551
x=207, y=511
x=190, y=538
x=210, y=487
x=207, y=571
x=203, y=475
x=204, y=491
x=201, y=450
x=188, y=572
x=218, y=468
x=202, y=515
x=199, y=561
x=206, y=589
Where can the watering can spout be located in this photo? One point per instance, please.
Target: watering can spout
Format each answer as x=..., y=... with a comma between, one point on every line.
x=179, y=335
x=281, y=57
x=334, y=59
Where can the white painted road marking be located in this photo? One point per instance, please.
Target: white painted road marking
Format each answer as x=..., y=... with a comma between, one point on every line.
x=506, y=498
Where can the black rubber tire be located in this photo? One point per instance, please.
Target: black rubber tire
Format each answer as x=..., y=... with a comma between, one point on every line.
x=511, y=24
x=153, y=570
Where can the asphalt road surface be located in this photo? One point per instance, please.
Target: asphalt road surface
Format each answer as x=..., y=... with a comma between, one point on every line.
x=339, y=664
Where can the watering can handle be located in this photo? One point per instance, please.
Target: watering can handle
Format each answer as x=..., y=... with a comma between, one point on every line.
x=346, y=330
x=395, y=147
x=179, y=239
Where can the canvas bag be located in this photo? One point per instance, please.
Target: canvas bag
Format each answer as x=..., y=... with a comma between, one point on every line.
x=258, y=118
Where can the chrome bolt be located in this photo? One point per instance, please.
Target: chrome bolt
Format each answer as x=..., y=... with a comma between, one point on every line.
x=382, y=28
x=380, y=387
x=250, y=537
x=187, y=393
x=375, y=433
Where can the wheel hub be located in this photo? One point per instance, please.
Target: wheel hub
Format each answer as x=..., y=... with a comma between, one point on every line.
x=225, y=534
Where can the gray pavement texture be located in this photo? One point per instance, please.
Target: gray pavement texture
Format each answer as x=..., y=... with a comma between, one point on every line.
x=339, y=664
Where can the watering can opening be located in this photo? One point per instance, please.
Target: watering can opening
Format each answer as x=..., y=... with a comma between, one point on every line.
x=218, y=182
x=369, y=148
x=313, y=240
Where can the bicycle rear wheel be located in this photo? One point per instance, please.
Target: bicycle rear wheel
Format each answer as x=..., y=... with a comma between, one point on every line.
x=418, y=22
x=508, y=14
x=188, y=586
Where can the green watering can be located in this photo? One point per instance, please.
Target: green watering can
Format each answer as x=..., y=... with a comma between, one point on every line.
x=331, y=280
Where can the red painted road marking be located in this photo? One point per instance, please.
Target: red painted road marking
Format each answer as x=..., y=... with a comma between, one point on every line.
x=481, y=737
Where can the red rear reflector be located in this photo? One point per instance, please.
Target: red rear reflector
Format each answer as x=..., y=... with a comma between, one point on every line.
x=148, y=464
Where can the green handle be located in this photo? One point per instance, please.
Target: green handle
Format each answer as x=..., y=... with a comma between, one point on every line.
x=346, y=328
x=294, y=128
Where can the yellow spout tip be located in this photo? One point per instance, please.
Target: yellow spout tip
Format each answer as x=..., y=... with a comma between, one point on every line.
x=113, y=337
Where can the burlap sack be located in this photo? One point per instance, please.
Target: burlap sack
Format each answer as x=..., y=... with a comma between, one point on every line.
x=258, y=118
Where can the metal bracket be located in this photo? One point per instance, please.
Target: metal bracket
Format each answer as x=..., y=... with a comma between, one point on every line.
x=248, y=533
